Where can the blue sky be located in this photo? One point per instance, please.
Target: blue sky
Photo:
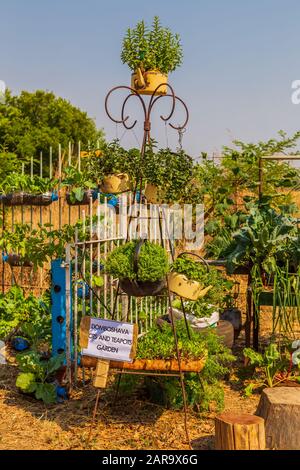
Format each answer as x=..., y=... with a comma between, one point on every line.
x=240, y=58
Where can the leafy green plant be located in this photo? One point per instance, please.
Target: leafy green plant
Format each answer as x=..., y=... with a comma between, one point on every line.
x=159, y=343
x=152, y=262
x=17, y=311
x=217, y=297
x=36, y=375
x=78, y=183
x=271, y=367
x=266, y=245
x=29, y=245
x=114, y=160
x=15, y=182
x=201, y=395
x=151, y=49
x=192, y=269
x=170, y=171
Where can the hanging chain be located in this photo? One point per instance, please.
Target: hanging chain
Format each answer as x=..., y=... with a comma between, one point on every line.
x=181, y=131
x=137, y=140
x=166, y=135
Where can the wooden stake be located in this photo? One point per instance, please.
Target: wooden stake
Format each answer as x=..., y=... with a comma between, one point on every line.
x=101, y=374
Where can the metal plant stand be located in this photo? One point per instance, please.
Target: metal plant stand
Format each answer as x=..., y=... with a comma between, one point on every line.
x=124, y=120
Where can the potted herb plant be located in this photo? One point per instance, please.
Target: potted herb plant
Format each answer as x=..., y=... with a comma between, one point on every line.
x=81, y=188
x=151, y=54
x=140, y=266
x=167, y=174
x=187, y=278
x=116, y=169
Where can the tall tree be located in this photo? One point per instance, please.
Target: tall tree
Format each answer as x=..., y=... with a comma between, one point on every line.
x=31, y=122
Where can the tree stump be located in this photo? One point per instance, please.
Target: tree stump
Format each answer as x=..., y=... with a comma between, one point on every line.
x=239, y=432
x=280, y=408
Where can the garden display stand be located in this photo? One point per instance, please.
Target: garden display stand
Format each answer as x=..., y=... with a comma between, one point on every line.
x=124, y=120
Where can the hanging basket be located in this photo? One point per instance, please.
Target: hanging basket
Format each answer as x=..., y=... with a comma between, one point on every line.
x=186, y=288
x=136, y=288
x=146, y=83
x=38, y=199
x=142, y=288
x=150, y=364
x=88, y=194
x=13, y=199
x=154, y=194
x=114, y=184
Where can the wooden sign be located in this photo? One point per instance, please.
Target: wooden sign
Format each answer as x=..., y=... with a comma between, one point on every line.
x=107, y=339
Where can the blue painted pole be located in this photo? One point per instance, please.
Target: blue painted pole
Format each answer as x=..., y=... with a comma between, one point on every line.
x=58, y=308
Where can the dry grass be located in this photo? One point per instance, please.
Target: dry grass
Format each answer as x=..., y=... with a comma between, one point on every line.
x=132, y=423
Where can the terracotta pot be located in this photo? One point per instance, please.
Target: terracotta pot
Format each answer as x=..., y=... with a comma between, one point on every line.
x=184, y=287
x=154, y=194
x=145, y=83
x=114, y=184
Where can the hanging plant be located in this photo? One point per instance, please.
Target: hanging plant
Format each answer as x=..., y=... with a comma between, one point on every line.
x=151, y=54
x=188, y=278
x=167, y=174
x=140, y=266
